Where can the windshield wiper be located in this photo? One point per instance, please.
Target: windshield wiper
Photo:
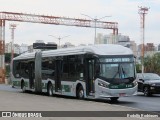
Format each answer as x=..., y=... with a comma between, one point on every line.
x=116, y=72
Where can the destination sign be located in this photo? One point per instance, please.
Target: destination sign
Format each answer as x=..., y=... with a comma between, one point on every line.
x=118, y=60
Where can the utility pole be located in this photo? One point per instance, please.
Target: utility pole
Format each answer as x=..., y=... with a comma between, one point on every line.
x=59, y=39
x=12, y=27
x=95, y=23
x=142, y=11
x=2, y=51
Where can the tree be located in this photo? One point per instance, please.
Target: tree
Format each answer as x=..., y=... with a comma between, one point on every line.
x=138, y=68
x=152, y=64
x=156, y=61
x=8, y=57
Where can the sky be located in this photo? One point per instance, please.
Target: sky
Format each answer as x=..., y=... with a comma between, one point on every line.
x=125, y=12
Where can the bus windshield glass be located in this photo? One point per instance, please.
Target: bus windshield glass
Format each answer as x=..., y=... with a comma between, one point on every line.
x=117, y=68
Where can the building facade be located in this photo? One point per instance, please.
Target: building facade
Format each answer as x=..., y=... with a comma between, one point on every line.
x=117, y=39
x=8, y=48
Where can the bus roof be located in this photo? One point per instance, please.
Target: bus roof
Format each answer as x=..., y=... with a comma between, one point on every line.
x=100, y=49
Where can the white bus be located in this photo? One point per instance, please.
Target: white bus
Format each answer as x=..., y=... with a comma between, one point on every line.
x=97, y=71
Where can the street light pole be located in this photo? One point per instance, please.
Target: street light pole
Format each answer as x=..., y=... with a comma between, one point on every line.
x=12, y=27
x=95, y=30
x=59, y=38
x=95, y=26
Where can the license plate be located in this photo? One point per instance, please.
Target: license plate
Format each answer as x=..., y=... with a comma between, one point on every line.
x=122, y=94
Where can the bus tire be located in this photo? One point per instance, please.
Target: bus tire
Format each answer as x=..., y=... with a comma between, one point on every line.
x=114, y=99
x=50, y=89
x=23, y=87
x=80, y=93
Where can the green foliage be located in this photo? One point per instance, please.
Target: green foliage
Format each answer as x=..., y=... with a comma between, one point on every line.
x=7, y=69
x=152, y=64
x=8, y=57
x=138, y=68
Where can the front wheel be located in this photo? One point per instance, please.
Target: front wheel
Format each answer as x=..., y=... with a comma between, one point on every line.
x=80, y=93
x=50, y=90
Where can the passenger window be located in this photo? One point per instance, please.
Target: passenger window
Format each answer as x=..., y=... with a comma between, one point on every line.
x=48, y=69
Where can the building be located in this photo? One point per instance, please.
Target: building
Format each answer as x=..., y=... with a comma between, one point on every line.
x=67, y=45
x=99, y=39
x=150, y=47
x=106, y=39
x=123, y=40
x=23, y=48
x=30, y=48
x=82, y=45
x=17, y=49
x=133, y=47
x=117, y=39
x=8, y=47
x=113, y=39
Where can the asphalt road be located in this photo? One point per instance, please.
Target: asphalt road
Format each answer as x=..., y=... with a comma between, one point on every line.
x=14, y=100
x=139, y=101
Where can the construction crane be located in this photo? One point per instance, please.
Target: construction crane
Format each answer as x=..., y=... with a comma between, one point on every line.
x=44, y=19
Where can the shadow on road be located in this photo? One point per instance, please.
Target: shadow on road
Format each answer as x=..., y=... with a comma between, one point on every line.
x=152, y=96
x=107, y=100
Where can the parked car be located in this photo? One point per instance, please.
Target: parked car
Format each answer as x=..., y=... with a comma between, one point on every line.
x=148, y=83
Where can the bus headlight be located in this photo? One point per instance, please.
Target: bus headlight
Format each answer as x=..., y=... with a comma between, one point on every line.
x=103, y=84
x=135, y=82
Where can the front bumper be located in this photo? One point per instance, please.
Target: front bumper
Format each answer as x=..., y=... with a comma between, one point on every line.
x=103, y=92
x=155, y=89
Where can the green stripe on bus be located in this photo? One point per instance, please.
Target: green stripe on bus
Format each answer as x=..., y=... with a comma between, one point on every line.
x=26, y=84
x=66, y=88
x=16, y=83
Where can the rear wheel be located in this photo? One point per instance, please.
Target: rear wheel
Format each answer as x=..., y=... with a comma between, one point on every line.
x=114, y=98
x=80, y=93
x=146, y=91
x=50, y=90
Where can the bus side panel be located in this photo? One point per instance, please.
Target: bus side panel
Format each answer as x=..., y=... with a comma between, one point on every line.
x=38, y=78
x=68, y=88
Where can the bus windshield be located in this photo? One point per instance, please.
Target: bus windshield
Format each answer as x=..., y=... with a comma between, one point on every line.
x=111, y=70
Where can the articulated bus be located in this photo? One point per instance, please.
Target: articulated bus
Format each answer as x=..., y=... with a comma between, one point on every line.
x=95, y=72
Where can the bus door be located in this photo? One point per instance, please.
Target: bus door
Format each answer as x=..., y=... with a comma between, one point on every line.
x=58, y=74
x=90, y=76
x=31, y=74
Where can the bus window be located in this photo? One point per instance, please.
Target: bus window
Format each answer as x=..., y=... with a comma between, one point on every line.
x=21, y=69
x=48, y=69
x=16, y=69
x=72, y=68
